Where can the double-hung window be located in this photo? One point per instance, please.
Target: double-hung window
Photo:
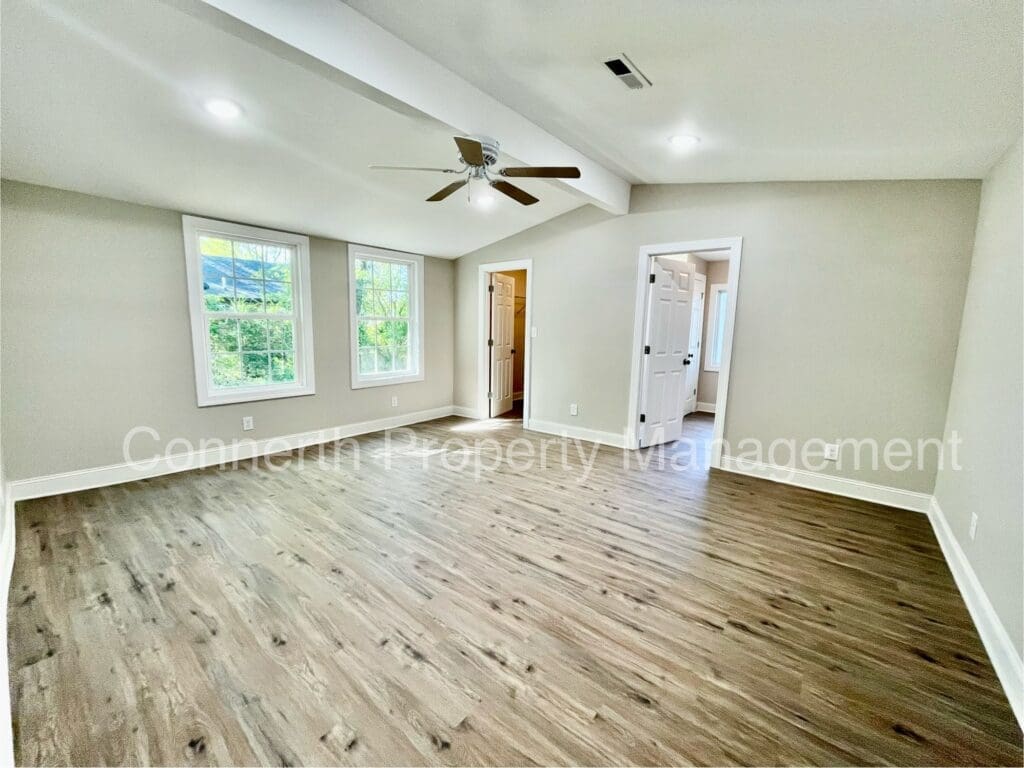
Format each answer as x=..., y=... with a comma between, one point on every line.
x=719, y=311
x=249, y=298
x=386, y=316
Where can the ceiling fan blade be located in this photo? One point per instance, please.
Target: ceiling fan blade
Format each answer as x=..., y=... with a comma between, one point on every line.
x=441, y=194
x=521, y=196
x=472, y=151
x=543, y=172
x=410, y=168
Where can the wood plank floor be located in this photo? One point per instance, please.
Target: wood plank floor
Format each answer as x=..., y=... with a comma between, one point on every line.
x=416, y=616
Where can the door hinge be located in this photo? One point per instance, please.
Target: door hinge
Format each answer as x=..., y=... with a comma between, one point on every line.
x=490, y=342
x=490, y=395
x=643, y=418
x=647, y=349
x=490, y=289
x=652, y=278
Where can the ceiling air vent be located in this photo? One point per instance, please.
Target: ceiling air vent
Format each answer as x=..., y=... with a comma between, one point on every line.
x=627, y=72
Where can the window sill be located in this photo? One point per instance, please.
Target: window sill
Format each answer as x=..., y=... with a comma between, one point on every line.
x=253, y=395
x=385, y=381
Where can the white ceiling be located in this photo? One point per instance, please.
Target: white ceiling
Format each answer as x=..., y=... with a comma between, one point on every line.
x=105, y=98
x=802, y=89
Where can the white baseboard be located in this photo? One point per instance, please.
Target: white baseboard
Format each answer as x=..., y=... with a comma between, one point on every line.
x=840, y=486
x=466, y=412
x=112, y=474
x=6, y=568
x=579, y=433
x=1007, y=663
x=705, y=407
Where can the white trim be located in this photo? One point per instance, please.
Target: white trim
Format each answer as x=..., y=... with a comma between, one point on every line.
x=206, y=395
x=466, y=412
x=483, y=328
x=713, y=292
x=735, y=247
x=840, y=486
x=112, y=474
x=1005, y=660
x=705, y=407
x=578, y=433
x=6, y=569
x=416, y=351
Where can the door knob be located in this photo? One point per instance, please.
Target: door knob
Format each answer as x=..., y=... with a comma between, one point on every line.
x=687, y=361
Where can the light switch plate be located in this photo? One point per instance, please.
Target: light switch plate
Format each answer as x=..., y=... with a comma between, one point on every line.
x=832, y=451
x=246, y=423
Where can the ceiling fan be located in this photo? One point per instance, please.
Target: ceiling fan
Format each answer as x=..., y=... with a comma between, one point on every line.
x=478, y=156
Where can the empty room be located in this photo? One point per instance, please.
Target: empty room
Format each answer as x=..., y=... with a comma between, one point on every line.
x=446, y=382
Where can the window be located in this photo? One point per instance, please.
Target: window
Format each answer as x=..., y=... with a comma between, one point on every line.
x=719, y=311
x=386, y=311
x=252, y=328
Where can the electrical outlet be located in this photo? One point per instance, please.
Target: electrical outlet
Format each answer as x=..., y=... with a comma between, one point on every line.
x=974, y=524
x=247, y=423
x=574, y=409
x=832, y=452
x=394, y=401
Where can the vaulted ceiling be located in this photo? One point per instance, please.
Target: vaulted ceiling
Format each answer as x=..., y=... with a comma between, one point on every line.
x=107, y=98
x=792, y=90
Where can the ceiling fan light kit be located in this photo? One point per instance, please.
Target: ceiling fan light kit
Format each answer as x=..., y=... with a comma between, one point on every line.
x=478, y=155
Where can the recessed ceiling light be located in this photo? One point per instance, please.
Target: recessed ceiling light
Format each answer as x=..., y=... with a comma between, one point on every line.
x=222, y=109
x=684, y=141
x=484, y=200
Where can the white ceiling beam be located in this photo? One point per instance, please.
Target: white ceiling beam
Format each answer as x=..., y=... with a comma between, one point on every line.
x=347, y=41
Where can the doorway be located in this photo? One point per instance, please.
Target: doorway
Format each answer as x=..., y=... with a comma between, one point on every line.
x=504, y=341
x=672, y=365
x=700, y=281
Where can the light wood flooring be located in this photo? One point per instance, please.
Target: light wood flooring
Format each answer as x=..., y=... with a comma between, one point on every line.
x=416, y=616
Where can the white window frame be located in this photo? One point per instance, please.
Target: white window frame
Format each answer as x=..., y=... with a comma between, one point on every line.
x=713, y=325
x=416, y=352
x=206, y=393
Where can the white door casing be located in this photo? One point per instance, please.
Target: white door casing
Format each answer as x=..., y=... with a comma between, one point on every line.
x=666, y=346
x=503, y=310
x=696, y=333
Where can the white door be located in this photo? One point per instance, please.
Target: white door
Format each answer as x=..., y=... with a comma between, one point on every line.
x=696, y=334
x=666, y=346
x=503, y=312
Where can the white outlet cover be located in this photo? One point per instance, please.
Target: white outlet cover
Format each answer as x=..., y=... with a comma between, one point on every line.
x=832, y=451
x=246, y=423
x=394, y=402
x=974, y=524
x=574, y=409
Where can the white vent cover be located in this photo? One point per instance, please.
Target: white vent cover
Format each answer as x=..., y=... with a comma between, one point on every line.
x=626, y=71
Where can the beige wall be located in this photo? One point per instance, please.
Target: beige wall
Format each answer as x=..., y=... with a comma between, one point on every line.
x=848, y=308
x=986, y=400
x=707, y=383
x=96, y=337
